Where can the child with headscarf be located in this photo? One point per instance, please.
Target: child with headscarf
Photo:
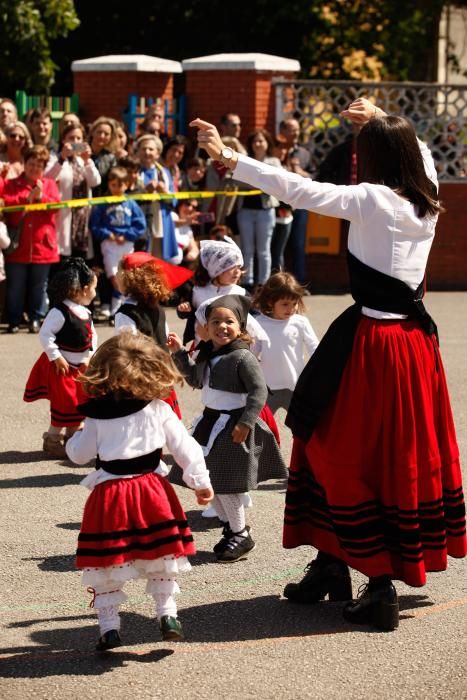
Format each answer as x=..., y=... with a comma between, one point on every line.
x=239, y=448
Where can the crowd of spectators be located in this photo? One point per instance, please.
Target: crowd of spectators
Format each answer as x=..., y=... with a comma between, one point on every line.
x=103, y=159
x=83, y=162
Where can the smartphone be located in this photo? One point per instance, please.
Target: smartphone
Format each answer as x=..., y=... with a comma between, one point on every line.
x=78, y=147
x=206, y=217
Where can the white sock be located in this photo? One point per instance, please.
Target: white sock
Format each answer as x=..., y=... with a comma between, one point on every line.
x=163, y=591
x=108, y=618
x=53, y=430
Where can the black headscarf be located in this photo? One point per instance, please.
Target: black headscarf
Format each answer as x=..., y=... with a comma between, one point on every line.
x=239, y=305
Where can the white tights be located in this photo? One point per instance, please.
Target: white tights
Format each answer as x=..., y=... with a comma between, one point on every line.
x=108, y=598
x=230, y=509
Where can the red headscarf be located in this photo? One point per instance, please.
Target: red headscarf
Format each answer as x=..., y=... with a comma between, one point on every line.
x=174, y=275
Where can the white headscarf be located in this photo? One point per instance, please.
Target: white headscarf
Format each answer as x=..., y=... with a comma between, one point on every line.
x=219, y=256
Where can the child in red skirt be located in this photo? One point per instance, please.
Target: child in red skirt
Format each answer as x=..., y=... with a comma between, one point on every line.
x=68, y=338
x=146, y=281
x=133, y=523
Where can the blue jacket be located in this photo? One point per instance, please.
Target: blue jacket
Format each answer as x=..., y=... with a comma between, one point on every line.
x=123, y=219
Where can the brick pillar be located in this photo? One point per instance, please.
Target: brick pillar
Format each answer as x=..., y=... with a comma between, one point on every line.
x=104, y=83
x=240, y=83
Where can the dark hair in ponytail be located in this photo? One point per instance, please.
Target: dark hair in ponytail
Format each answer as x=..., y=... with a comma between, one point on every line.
x=388, y=154
x=72, y=275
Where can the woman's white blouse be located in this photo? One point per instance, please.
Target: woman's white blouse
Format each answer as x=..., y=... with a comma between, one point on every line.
x=140, y=433
x=385, y=232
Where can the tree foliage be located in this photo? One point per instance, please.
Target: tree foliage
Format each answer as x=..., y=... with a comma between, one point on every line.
x=374, y=39
x=27, y=28
x=346, y=39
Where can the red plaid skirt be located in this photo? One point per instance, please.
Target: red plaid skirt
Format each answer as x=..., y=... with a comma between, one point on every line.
x=379, y=483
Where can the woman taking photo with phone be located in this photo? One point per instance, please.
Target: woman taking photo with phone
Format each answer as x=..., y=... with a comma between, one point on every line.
x=75, y=174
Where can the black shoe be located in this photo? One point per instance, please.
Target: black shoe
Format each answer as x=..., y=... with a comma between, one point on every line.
x=12, y=328
x=227, y=534
x=223, y=542
x=34, y=326
x=332, y=579
x=377, y=606
x=109, y=640
x=235, y=550
x=171, y=629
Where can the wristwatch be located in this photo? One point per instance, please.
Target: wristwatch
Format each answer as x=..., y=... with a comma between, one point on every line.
x=226, y=155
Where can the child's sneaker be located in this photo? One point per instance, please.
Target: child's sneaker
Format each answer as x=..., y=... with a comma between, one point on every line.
x=53, y=445
x=209, y=512
x=171, y=628
x=237, y=547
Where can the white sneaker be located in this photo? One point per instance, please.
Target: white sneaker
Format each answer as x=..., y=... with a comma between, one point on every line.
x=209, y=512
x=104, y=311
x=246, y=500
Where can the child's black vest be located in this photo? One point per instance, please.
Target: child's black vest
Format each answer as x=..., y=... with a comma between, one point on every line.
x=76, y=334
x=148, y=321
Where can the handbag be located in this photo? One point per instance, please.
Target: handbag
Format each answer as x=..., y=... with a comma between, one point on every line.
x=14, y=234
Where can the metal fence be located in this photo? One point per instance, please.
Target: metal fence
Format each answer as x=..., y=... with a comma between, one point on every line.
x=438, y=112
x=56, y=105
x=174, y=113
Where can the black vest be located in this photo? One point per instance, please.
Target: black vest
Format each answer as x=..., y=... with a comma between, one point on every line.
x=76, y=334
x=320, y=379
x=148, y=321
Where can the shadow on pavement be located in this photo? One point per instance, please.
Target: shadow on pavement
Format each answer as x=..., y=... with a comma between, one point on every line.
x=41, y=481
x=199, y=524
x=68, y=526
x=59, y=563
x=64, y=651
x=17, y=457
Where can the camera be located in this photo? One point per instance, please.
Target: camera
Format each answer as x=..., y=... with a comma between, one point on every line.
x=78, y=147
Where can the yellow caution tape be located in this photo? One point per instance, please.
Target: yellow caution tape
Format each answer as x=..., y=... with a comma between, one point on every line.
x=110, y=199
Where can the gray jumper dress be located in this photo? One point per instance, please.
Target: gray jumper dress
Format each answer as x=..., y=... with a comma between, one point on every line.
x=233, y=467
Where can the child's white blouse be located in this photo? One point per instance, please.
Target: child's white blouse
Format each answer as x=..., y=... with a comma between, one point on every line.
x=140, y=433
x=53, y=323
x=284, y=358
x=211, y=291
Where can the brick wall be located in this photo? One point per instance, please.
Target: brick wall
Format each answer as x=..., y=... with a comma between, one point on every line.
x=248, y=93
x=447, y=264
x=106, y=92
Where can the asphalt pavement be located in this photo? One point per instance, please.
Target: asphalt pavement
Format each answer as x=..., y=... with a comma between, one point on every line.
x=243, y=639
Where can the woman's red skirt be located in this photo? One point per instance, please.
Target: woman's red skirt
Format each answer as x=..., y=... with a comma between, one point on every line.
x=172, y=400
x=63, y=392
x=268, y=417
x=378, y=484
x=136, y=518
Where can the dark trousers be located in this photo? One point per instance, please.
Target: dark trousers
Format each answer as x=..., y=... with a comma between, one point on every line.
x=296, y=244
x=26, y=290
